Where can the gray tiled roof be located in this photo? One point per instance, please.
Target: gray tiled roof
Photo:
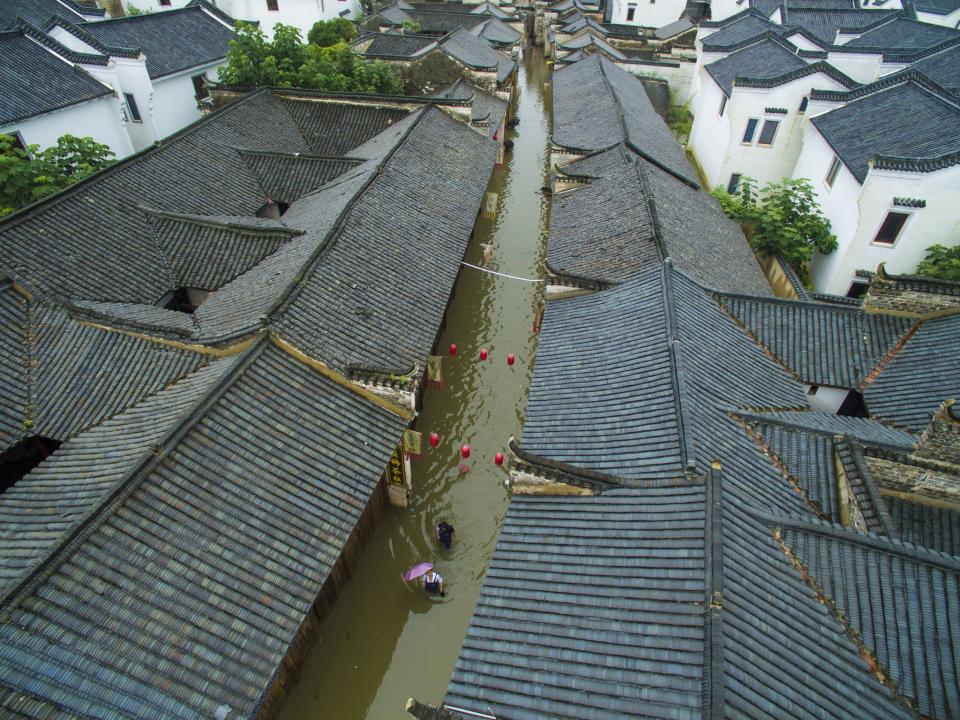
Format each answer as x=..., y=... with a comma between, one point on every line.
x=640, y=214
x=901, y=600
x=218, y=543
x=677, y=27
x=484, y=8
x=936, y=7
x=334, y=129
x=35, y=81
x=395, y=45
x=37, y=12
x=351, y=312
x=866, y=430
x=942, y=67
x=597, y=105
x=591, y=608
x=859, y=131
x=745, y=27
x=592, y=41
x=444, y=22
x=904, y=34
x=765, y=59
x=497, y=33
x=484, y=106
x=475, y=53
x=172, y=41
x=825, y=23
x=824, y=344
x=286, y=178
x=14, y=364
x=926, y=525
x=918, y=378
x=601, y=163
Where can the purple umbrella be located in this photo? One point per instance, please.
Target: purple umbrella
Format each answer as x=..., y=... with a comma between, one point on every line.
x=417, y=570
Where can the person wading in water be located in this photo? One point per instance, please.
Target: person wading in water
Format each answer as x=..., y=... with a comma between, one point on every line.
x=445, y=533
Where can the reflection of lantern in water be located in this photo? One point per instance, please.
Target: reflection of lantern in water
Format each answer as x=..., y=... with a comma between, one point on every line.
x=483, y=353
x=498, y=458
x=453, y=348
x=434, y=439
x=465, y=451
x=511, y=358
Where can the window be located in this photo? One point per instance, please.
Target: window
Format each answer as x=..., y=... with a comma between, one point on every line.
x=164, y=3
x=751, y=129
x=832, y=172
x=631, y=12
x=273, y=5
x=890, y=229
x=857, y=289
x=768, y=132
x=803, y=104
x=734, y=183
x=812, y=390
x=132, y=108
x=200, y=86
x=17, y=139
x=723, y=105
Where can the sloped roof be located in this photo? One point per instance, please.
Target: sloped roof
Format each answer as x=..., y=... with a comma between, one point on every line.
x=172, y=41
x=36, y=81
x=444, y=22
x=824, y=344
x=394, y=45
x=600, y=163
x=765, y=59
x=473, y=52
x=287, y=177
x=597, y=105
x=816, y=422
x=637, y=216
x=677, y=27
x=913, y=629
x=904, y=34
x=739, y=29
x=37, y=12
x=918, y=378
x=859, y=131
x=485, y=107
x=926, y=525
x=587, y=40
x=937, y=7
x=942, y=67
x=826, y=23
x=497, y=33
x=153, y=609
x=595, y=602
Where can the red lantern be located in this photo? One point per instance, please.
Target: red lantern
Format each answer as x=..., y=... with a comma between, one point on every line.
x=465, y=451
x=483, y=353
x=453, y=348
x=498, y=458
x=511, y=359
x=434, y=439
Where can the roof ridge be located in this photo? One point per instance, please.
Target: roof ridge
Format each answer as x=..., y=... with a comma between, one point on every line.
x=297, y=155
x=77, y=31
x=712, y=707
x=747, y=414
x=132, y=479
x=211, y=221
x=907, y=76
x=681, y=401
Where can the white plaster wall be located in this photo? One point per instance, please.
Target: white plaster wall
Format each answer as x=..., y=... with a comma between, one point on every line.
x=777, y=161
x=710, y=136
x=951, y=20
x=649, y=13
x=703, y=58
x=152, y=5
x=98, y=118
x=679, y=78
x=722, y=9
x=301, y=14
x=827, y=398
x=175, y=102
x=862, y=68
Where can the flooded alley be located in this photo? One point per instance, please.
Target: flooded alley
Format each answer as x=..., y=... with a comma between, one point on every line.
x=385, y=641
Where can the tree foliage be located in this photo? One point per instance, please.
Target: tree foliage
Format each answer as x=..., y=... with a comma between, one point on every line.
x=31, y=174
x=329, y=32
x=783, y=219
x=941, y=263
x=288, y=62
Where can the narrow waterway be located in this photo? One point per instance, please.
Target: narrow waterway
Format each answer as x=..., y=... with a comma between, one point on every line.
x=385, y=641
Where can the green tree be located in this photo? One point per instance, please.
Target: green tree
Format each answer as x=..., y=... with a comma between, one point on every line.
x=411, y=26
x=330, y=32
x=783, y=219
x=941, y=263
x=31, y=174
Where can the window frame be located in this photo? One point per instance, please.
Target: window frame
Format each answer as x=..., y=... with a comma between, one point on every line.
x=773, y=138
x=273, y=5
x=751, y=129
x=833, y=171
x=130, y=102
x=733, y=184
x=723, y=103
x=631, y=12
x=896, y=238
x=200, y=85
x=164, y=3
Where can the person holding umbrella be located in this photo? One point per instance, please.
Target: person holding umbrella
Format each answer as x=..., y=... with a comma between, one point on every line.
x=430, y=580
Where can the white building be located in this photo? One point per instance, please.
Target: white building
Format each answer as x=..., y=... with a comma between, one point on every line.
x=44, y=95
x=37, y=12
x=646, y=13
x=156, y=63
x=302, y=14
x=885, y=164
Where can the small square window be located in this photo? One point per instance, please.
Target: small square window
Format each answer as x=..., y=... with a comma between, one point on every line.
x=164, y=3
x=769, y=132
x=734, y=183
x=273, y=5
x=723, y=105
x=832, y=172
x=803, y=104
x=891, y=228
x=132, y=108
x=631, y=12
x=751, y=129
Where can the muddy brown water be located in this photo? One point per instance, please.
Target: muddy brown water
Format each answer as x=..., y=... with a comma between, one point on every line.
x=385, y=641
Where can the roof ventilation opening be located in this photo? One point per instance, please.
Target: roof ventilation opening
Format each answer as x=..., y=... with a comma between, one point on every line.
x=854, y=405
x=184, y=299
x=273, y=209
x=23, y=457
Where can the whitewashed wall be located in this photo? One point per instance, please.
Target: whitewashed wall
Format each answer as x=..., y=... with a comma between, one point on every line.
x=711, y=133
x=98, y=118
x=174, y=99
x=951, y=20
x=722, y=9
x=856, y=213
x=649, y=13
x=301, y=14
x=679, y=75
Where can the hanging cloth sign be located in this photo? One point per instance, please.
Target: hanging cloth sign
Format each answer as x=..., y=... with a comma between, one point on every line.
x=413, y=444
x=435, y=371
